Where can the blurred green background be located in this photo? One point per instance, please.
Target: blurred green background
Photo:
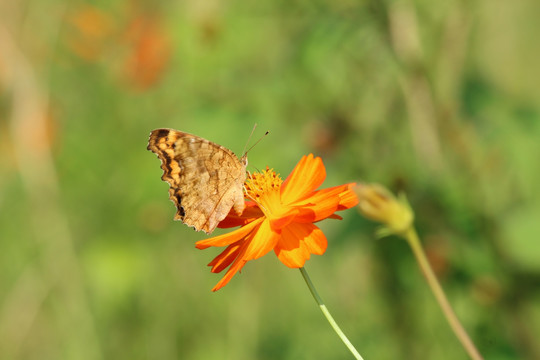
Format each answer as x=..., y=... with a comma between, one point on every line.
x=437, y=99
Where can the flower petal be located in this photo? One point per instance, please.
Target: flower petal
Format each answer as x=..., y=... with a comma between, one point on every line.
x=264, y=240
x=226, y=258
x=323, y=203
x=348, y=198
x=237, y=265
x=229, y=238
x=251, y=212
x=306, y=176
x=297, y=242
x=283, y=219
x=256, y=244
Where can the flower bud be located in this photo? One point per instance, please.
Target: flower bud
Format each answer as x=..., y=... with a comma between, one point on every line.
x=378, y=204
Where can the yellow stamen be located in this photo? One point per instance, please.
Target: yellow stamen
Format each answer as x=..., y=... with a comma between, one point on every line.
x=264, y=188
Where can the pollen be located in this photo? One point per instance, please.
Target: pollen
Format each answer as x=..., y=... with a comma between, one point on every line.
x=262, y=184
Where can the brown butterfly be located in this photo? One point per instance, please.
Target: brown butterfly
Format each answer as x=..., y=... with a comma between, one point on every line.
x=206, y=180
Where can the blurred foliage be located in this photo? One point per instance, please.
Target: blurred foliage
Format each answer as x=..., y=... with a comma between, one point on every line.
x=439, y=100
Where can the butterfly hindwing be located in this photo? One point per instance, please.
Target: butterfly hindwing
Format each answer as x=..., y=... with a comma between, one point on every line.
x=206, y=179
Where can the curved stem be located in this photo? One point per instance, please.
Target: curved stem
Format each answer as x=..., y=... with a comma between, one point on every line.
x=328, y=316
x=414, y=242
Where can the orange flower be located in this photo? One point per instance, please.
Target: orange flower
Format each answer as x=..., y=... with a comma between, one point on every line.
x=280, y=216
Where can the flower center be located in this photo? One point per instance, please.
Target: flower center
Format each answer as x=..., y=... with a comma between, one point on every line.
x=264, y=188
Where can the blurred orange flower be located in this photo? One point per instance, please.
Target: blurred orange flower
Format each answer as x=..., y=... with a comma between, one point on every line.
x=280, y=217
x=91, y=32
x=150, y=51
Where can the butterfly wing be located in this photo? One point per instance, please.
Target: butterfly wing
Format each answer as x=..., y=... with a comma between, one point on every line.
x=206, y=180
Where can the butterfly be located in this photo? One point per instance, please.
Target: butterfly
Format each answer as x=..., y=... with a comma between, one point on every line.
x=206, y=179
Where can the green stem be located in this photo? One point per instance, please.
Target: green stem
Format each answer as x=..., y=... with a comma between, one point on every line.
x=328, y=316
x=414, y=242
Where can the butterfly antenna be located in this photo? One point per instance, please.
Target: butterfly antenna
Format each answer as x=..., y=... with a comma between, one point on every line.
x=244, y=152
x=258, y=141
